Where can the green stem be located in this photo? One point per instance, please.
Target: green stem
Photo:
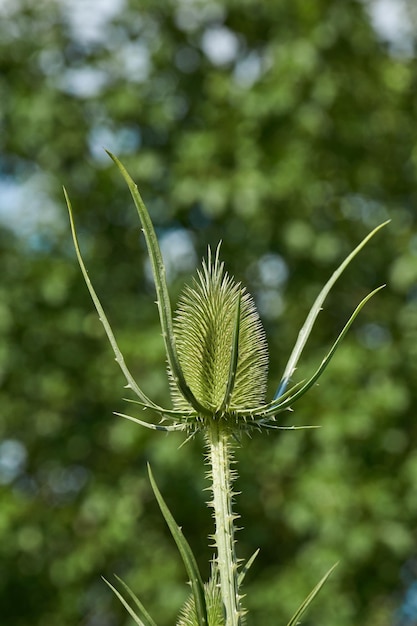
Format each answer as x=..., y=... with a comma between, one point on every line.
x=222, y=477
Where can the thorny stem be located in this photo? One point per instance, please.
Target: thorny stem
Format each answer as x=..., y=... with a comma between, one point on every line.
x=222, y=477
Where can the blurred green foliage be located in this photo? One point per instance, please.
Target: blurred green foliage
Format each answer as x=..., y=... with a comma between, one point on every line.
x=286, y=129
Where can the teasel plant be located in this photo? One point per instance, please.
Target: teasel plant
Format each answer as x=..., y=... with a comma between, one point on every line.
x=217, y=362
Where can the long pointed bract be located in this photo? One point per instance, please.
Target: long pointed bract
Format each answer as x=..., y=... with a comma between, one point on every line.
x=247, y=566
x=163, y=300
x=233, y=357
x=277, y=406
x=103, y=318
x=315, y=310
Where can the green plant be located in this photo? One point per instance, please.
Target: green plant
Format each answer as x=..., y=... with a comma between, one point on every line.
x=217, y=368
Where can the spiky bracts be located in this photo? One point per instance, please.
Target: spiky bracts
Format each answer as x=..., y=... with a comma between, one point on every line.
x=220, y=343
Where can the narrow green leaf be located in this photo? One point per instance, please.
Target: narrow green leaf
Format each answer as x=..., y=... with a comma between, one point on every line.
x=234, y=356
x=163, y=300
x=285, y=401
x=103, y=318
x=144, y=619
x=304, y=605
x=188, y=558
x=315, y=310
x=246, y=567
x=276, y=405
x=138, y=603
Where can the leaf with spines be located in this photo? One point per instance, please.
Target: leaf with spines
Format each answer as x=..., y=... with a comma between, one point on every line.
x=162, y=295
x=294, y=621
x=305, y=331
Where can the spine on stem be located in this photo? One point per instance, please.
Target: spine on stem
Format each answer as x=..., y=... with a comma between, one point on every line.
x=222, y=476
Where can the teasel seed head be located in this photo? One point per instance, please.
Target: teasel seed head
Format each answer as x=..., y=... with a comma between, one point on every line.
x=217, y=329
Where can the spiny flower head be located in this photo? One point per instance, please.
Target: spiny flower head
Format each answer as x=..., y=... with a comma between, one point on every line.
x=218, y=330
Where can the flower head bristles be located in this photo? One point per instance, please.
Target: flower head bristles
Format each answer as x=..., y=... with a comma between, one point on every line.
x=217, y=369
x=209, y=315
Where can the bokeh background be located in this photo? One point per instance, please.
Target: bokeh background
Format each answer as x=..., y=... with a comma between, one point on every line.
x=287, y=129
